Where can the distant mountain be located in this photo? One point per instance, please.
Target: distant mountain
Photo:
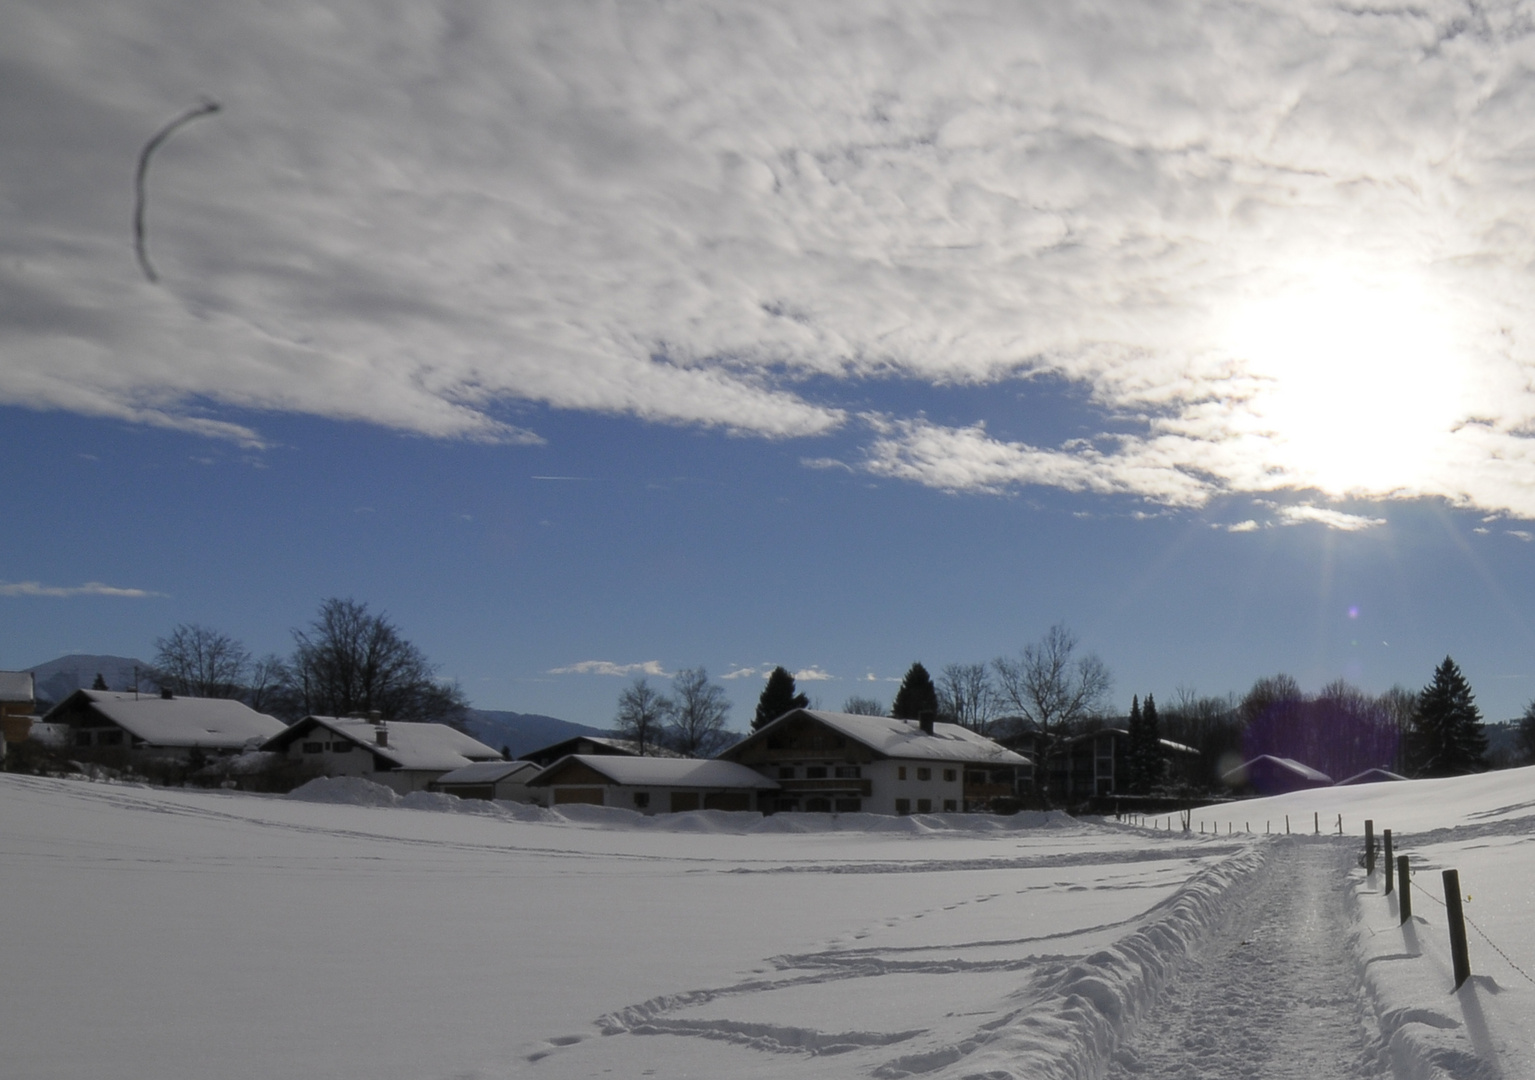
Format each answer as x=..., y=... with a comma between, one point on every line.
x=522, y=732
x=57, y=679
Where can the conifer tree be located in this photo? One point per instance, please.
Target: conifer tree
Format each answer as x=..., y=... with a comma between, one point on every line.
x=916, y=696
x=778, y=697
x=1151, y=746
x=1447, y=737
x=1136, y=782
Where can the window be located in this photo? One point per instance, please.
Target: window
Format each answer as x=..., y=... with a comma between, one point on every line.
x=924, y=774
x=903, y=806
x=818, y=806
x=313, y=747
x=342, y=747
x=848, y=772
x=949, y=806
x=974, y=777
x=924, y=806
x=641, y=800
x=900, y=774
x=786, y=772
x=948, y=775
x=849, y=806
x=111, y=738
x=815, y=772
x=82, y=738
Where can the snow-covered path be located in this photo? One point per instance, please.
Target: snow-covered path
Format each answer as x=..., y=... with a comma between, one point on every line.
x=1274, y=993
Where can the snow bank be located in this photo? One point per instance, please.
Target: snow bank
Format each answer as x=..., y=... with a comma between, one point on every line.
x=344, y=791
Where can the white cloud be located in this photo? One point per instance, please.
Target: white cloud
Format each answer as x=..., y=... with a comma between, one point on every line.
x=1521, y=534
x=607, y=667
x=769, y=218
x=740, y=673
x=813, y=673
x=1333, y=519
x=90, y=588
x=1243, y=526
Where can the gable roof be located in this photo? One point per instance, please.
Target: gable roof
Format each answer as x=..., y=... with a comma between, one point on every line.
x=904, y=739
x=489, y=772
x=410, y=745
x=662, y=772
x=16, y=686
x=175, y=722
x=1290, y=765
x=1370, y=776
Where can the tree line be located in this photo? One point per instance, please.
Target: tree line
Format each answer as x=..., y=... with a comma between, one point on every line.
x=347, y=660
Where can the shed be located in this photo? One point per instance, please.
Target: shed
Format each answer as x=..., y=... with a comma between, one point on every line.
x=1270, y=775
x=489, y=780
x=653, y=785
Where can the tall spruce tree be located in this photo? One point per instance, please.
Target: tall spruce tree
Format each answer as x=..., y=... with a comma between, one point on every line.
x=1151, y=744
x=1136, y=781
x=1447, y=737
x=778, y=697
x=916, y=696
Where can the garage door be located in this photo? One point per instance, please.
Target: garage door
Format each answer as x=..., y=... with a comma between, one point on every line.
x=727, y=800
x=592, y=796
x=684, y=800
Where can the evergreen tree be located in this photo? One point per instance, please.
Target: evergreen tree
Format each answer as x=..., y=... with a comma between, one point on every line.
x=1151, y=745
x=100, y=683
x=778, y=697
x=1136, y=781
x=916, y=696
x=1447, y=737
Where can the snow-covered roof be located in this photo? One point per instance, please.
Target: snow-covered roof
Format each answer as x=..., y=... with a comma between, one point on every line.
x=488, y=772
x=16, y=686
x=904, y=738
x=1288, y=764
x=1168, y=744
x=664, y=772
x=1370, y=776
x=409, y=745
x=182, y=721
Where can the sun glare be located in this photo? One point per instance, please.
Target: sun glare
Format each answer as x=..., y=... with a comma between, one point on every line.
x=1359, y=385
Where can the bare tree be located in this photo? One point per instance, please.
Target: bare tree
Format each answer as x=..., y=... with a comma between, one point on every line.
x=352, y=661
x=1051, y=688
x=698, y=712
x=267, y=684
x=967, y=697
x=863, y=706
x=642, y=712
x=198, y=661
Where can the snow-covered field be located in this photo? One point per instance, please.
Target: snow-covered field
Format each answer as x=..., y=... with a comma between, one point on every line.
x=167, y=934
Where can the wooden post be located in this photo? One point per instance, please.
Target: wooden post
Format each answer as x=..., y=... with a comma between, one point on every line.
x=1340, y=824
x=1457, y=919
x=1404, y=894
x=1316, y=819
x=1385, y=836
x=1287, y=824
x=1369, y=847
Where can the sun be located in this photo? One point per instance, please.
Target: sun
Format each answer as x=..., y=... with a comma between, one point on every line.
x=1358, y=384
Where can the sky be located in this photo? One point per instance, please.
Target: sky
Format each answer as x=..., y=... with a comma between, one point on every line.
x=598, y=340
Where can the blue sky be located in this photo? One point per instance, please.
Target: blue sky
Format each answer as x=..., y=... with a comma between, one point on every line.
x=586, y=339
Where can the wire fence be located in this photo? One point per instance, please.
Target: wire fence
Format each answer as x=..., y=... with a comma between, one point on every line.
x=1480, y=932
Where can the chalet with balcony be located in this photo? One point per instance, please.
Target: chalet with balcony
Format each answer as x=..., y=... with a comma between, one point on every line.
x=401, y=755
x=160, y=724
x=840, y=763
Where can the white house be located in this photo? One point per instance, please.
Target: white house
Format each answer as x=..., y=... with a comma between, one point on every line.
x=17, y=701
x=653, y=785
x=826, y=761
x=401, y=755
x=490, y=780
x=170, y=726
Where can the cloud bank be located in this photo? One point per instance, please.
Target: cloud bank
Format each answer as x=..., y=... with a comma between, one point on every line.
x=607, y=667
x=90, y=588
x=1281, y=246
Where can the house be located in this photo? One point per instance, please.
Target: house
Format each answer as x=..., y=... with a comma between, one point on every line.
x=827, y=761
x=654, y=785
x=17, y=702
x=1096, y=764
x=401, y=755
x=490, y=780
x=1270, y=775
x=1370, y=776
x=169, y=726
x=581, y=744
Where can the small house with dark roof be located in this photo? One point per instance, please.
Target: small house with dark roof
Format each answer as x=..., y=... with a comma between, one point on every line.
x=160, y=723
x=587, y=745
x=653, y=785
x=401, y=755
x=490, y=780
x=842, y=763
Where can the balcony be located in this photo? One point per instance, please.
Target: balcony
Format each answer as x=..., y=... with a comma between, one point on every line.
x=848, y=785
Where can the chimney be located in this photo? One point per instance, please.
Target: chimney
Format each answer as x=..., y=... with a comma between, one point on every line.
x=375, y=716
x=925, y=720
x=381, y=736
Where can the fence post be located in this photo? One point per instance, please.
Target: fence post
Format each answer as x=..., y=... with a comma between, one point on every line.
x=1457, y=920
x=1385, y=836
x=1287, y=824
x=1404, y=894
x=1340, y=824
x=1369, y=847
x=1316, y=819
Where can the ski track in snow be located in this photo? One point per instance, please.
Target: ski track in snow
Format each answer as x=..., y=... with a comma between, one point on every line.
x=1275, y=992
